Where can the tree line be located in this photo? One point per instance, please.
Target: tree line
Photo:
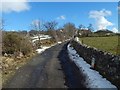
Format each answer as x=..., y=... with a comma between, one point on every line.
x=19, y=41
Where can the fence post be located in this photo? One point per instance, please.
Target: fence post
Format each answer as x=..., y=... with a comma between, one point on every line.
x=93, y=62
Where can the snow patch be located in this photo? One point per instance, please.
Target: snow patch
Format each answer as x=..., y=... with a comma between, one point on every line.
x=93, y=78
x=40, y=50
x=59, y=42
x=42, y=37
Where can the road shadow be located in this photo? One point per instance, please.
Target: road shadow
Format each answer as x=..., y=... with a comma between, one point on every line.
x=73, y=76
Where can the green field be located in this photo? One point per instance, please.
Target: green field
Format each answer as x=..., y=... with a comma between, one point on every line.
x=108, y=44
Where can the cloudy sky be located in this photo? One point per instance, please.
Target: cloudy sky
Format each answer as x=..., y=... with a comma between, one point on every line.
x=19, y=15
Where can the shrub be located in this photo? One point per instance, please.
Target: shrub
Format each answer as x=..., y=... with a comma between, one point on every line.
x=13, y=42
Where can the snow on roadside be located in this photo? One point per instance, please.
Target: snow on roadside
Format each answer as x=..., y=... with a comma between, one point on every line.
x=42, y=49
x=59, y=42
x=93, y=78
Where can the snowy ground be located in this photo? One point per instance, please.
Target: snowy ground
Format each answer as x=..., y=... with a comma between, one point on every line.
x=42, y=37
x=59, y=42
x=42, y=49
x=93, y=78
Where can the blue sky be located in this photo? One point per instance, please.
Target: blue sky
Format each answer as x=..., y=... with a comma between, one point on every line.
x=75, y=12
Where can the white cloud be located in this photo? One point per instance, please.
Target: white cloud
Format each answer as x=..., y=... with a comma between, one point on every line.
x=115, y=30
x=100, y=18
x=62, y=17
x=14, y=6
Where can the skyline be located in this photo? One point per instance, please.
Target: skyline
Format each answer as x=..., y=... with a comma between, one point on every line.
x=100, y=14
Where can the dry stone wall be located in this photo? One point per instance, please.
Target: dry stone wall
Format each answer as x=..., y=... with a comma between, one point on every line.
x=106, y=64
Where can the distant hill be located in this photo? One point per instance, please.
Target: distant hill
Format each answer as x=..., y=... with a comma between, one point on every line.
x=103, y=31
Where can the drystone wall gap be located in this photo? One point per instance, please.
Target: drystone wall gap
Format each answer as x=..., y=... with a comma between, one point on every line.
x=106, y=64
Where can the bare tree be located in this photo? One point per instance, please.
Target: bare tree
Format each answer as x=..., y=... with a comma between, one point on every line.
x=38, y=26
x=81, y=26
x=1, y=29
x=61, y=34
x=51, y=26
x=69, y=29
x=90, y=27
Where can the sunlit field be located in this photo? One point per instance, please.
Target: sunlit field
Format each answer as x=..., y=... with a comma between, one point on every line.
x=108, y=44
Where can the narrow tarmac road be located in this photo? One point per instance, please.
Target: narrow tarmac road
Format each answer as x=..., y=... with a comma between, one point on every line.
x=50, y=69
